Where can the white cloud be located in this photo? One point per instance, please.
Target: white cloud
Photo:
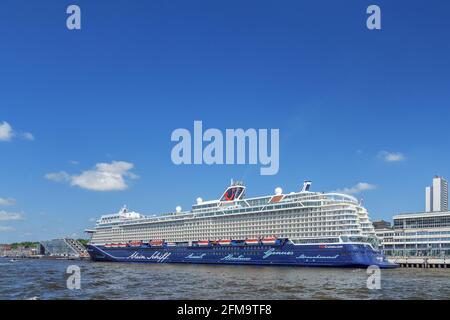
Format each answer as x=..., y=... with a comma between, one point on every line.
x=104, y=177
x=358, y=188
x=28, y=136
x=391, y=156
x=10, y=216
x=6, y=229
x=7, y=202
x=58, y=176
x=6, y=131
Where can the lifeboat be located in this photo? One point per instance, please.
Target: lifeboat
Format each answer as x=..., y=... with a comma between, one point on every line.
x=135, y=243
x=269, y=240
x=113, y=245
x=122, y=245
x=171, y=244
x=252, y=241
x=224, y=242
x=107, y=245
x=203, y=243
x=156, y=243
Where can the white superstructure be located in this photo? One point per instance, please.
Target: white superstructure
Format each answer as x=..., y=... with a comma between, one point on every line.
x=302, y=217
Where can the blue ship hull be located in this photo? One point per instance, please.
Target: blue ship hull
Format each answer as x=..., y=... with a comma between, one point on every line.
x=332, y=255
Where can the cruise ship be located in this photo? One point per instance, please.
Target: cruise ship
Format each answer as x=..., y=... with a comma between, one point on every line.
x=304, y=228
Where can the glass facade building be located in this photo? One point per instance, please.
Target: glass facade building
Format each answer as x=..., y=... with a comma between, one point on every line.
x=62, y=248
x=418, y=234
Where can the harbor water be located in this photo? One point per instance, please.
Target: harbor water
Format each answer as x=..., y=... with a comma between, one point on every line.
x=47, y=279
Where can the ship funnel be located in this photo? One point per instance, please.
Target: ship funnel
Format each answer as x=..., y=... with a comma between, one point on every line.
x=306, y=186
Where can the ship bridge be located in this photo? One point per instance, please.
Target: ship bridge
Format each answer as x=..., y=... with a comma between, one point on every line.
x=121, y=216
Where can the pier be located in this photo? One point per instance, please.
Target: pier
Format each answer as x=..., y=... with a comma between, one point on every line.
x=422, y=262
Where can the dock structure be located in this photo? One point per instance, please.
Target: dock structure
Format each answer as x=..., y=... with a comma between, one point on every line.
x=422, y=262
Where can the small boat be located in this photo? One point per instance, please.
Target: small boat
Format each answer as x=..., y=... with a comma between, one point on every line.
x=225, y=242
x=203, y=243
x=269, y=240
x=13, y=260
x=252, y=241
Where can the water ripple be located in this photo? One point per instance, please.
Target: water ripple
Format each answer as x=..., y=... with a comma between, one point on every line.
x=46, y=279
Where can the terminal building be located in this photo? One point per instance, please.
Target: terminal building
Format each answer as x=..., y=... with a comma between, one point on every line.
x=66, y=247
x=424, y=234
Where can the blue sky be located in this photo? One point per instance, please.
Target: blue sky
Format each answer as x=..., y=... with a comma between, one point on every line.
x=346, y=100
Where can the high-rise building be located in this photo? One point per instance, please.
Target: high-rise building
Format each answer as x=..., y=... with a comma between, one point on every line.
x=428, y=199
x=436, y=196
x=440, y=194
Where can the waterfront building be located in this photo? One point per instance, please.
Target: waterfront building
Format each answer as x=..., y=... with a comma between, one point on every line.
x=65, y=247
x=417, y=234
x=20, y=252
x=4, y=249
x=422, y=234
x=436, y=196
x=383, y=231
x=381, y=224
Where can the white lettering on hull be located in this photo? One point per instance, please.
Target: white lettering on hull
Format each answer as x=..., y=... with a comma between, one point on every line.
x=273, y=252
x=317, y=257
x=158, y=256
x=231, y=257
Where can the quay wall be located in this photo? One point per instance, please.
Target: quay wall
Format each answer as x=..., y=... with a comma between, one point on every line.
x=421, y=262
